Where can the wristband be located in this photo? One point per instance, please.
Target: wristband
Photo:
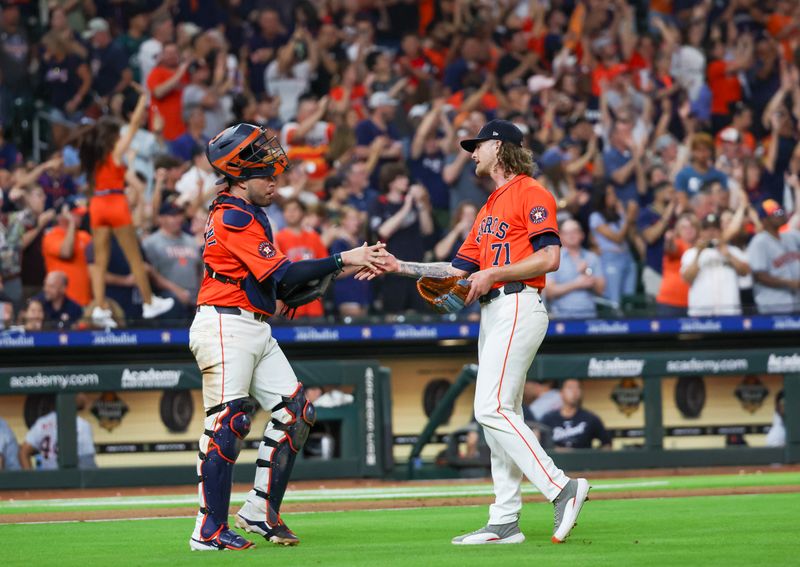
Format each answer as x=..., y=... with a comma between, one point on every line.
x=339, y=261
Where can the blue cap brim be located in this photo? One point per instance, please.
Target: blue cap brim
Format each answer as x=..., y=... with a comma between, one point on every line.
x=472, y=143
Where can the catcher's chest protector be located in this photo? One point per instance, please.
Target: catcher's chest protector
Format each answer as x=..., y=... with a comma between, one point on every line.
x=261, y=294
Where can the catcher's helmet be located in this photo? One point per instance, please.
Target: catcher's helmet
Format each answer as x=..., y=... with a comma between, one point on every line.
x=245, y=151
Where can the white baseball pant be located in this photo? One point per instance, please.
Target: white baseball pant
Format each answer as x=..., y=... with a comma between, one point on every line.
x=239, y=357
x=512, y=329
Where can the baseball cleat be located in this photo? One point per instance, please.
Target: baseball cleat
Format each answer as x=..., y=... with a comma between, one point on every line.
x=224, y=538
x=567, y=507
x=505, y=533
x=279, y=534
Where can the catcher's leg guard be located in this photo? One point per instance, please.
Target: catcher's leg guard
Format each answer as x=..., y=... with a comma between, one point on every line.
x=285, y=435
x=225, y=427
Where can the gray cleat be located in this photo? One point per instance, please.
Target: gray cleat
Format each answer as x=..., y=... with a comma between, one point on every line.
x=503, y=533
x=567, y=506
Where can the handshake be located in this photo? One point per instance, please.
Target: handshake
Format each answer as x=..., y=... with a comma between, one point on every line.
x=444, y=294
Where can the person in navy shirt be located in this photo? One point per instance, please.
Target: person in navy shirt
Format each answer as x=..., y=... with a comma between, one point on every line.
x=10, y=156
x=574, y=427
x=402, y=218
x=360, y=194
x=108, y=61
x=622, y=160
x=427, y=159
x=653, y=222
x=379, y=124
x=700, y=169
x=352, y=297
x=183, y=146
x=59, y=310
x=263, y=47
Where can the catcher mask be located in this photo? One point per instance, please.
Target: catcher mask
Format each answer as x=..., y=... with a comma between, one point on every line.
x=245, y=151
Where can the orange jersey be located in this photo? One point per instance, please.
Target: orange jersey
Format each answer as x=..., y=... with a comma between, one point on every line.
x=725, y=87
x=305, y=245
x=516, y=212
x=76, y=268
x=170, y=106
x=238, y=245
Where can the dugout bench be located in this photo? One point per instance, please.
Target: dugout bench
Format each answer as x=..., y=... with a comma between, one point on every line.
x=651, y=368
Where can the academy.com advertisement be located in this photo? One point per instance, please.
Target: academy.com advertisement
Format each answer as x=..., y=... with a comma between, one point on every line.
x=99, y=378
x=53, y=381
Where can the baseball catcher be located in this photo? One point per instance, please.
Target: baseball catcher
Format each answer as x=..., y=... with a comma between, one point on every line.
x=232, y=341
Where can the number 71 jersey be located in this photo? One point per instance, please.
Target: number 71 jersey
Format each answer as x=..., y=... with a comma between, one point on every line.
x=514, y=214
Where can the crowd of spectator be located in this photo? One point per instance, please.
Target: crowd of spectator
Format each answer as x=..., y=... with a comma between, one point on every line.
x=668, y=134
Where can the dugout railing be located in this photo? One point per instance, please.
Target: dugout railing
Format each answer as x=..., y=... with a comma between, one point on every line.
x=364, y=426
x=651, y=368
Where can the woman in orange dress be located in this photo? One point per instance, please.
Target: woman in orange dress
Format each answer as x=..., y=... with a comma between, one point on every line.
x=101, y=151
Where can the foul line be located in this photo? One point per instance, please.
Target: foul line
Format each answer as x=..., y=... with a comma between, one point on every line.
x=326, y=495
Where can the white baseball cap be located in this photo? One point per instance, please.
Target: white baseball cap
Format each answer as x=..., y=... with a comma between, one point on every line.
x=418, y=110
x=730, y=134
x=381, y=98
x=95, y=25
x=540, y=82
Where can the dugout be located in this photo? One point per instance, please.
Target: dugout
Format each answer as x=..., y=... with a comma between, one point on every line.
x=148, y=414
x=645, y=379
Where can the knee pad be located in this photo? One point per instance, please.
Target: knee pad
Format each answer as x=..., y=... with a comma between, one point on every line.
x=295, y=416
x=226, y=426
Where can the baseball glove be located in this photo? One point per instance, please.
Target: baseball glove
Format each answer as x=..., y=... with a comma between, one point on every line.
x=294, y=297
x=446, y=295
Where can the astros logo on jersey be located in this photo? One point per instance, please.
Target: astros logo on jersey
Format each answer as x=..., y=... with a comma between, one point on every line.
x=538, y=215
x=266, y=249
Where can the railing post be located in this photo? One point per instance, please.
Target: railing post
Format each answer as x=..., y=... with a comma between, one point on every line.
x=653, y=414
x=791, y=418
x=67, y=431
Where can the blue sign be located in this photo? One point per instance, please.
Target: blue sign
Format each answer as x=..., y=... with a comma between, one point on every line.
x=411, y=332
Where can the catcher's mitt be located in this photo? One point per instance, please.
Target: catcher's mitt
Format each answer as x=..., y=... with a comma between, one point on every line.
x=446, y=295
x=294, y=297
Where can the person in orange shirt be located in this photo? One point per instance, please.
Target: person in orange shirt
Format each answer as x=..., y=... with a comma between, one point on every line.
x=101, y=151
x=64, y=250
x=512, y=246
x=166, y=83
x=298, y=243
x=784, y=25
x=673, y=297
x=723, y=80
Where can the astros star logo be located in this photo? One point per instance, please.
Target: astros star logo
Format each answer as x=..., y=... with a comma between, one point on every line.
x=538, y=215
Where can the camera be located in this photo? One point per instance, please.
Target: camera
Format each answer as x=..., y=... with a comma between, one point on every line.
x=713, y=243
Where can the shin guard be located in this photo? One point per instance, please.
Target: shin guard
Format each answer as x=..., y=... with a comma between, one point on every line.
x=285, y=435
x=226, y=425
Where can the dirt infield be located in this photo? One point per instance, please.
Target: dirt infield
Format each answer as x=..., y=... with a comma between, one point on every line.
x=45, y=494
x=420, y=502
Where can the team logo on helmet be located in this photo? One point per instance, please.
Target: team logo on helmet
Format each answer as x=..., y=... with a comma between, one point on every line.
x=538, y=215
x=266, y=249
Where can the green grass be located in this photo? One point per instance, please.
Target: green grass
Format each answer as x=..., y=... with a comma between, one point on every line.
x=411, y=490
x=686, y=532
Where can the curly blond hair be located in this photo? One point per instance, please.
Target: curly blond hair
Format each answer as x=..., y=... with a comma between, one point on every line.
x=515, y=160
